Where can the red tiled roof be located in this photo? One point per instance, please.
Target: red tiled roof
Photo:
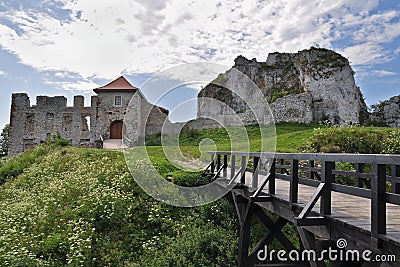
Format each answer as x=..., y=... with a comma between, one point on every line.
x=120, y=84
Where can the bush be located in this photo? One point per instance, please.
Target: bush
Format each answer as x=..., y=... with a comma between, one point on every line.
x=345, y=140
x=199, y=245
x=13, y=167
x=153, y=140
x=391, y=144
x=188, y=179
x=58, y=140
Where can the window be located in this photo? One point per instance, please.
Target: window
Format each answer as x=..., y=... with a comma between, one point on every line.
x=67, y=122
x=118, y=101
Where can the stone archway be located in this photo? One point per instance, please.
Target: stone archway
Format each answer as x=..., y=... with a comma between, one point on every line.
x=116, y=129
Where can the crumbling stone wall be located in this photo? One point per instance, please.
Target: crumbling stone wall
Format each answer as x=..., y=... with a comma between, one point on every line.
x=31, y=125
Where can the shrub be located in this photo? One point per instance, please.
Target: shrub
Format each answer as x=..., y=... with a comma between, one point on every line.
x=391, y=144
x=344, y=140
x=57, y=140
x=199, y=245
x=188, y=179
x=12, y=167
x=153, y=140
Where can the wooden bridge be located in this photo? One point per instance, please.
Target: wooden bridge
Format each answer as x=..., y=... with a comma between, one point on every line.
x=347, y=202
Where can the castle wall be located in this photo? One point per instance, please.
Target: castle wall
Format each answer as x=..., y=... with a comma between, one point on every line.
x=33, y=125
x=83, y=126
x=104, y=112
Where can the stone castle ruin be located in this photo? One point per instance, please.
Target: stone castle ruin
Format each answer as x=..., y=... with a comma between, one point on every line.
x=84, y=126
x=309, y=86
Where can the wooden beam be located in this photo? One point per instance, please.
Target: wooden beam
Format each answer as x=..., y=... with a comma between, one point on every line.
x=235, y=175
x=267, y=239
x=245, y=214
x=310, y=204
x=359, y=170
x=311, y=221
x=269, y=224
x=328, y=178
x=261, y=187
x=395, y=171
x=254, y=181
x=294, y=182
x=225, y=173
x=212, y=163
x=233, y=165
x=378, y=203
x=311, y=173
x=243, y=174
x=308, y=241
x=271, y=187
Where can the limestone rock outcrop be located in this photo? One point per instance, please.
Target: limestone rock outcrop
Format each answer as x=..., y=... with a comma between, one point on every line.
x=387, y=113
x=309, y=86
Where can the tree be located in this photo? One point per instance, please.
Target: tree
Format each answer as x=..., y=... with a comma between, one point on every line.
x=4, y=138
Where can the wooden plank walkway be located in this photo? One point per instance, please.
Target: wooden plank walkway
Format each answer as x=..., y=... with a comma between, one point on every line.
x=349, y=209
x=306, y=191
x=353, y=210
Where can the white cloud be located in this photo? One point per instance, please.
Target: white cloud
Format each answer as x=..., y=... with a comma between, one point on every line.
x=365, y=54
x=110, y=38
x=2, y=73
x=397, y=51
x=384, y=73
x=85, y=86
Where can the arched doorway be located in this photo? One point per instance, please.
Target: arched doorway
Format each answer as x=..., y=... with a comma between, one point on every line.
x=116, y=130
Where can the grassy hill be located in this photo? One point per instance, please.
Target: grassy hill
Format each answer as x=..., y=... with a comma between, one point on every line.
x=81, y=207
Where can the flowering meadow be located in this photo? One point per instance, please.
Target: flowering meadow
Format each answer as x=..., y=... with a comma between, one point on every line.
x=81, y=207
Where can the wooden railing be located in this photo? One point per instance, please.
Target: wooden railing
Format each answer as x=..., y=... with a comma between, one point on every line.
x=373, y=177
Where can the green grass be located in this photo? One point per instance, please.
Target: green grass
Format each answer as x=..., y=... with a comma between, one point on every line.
x=81, y=207
x=290, y=137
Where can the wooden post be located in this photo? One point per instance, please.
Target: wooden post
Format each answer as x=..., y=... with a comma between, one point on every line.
x=378, y=203
x=245, y=214
x=212, y=163
x=243, y=174
x=271, y=183
x=218, y=162
x=294, y=182
x=256, y=161
x=359, y=169
x=311, y=173
x=281, y=169
x=225, y=173
x=328, y=178
x=395, y=188
x=233, y=170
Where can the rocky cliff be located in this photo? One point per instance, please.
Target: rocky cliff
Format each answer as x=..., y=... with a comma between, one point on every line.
x=387, y=113
x=309, y=86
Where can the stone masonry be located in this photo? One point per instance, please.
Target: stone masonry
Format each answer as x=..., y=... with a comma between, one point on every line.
x=85, y=126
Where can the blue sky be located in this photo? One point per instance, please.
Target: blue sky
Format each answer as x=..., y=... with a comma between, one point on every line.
x=69, y=47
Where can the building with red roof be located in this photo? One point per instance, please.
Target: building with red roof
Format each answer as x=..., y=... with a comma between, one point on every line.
x=118, y=111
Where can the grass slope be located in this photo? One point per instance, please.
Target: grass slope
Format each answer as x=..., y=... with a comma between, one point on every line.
x=81, y=207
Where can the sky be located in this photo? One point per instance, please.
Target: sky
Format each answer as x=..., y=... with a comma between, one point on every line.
x=69, y=47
